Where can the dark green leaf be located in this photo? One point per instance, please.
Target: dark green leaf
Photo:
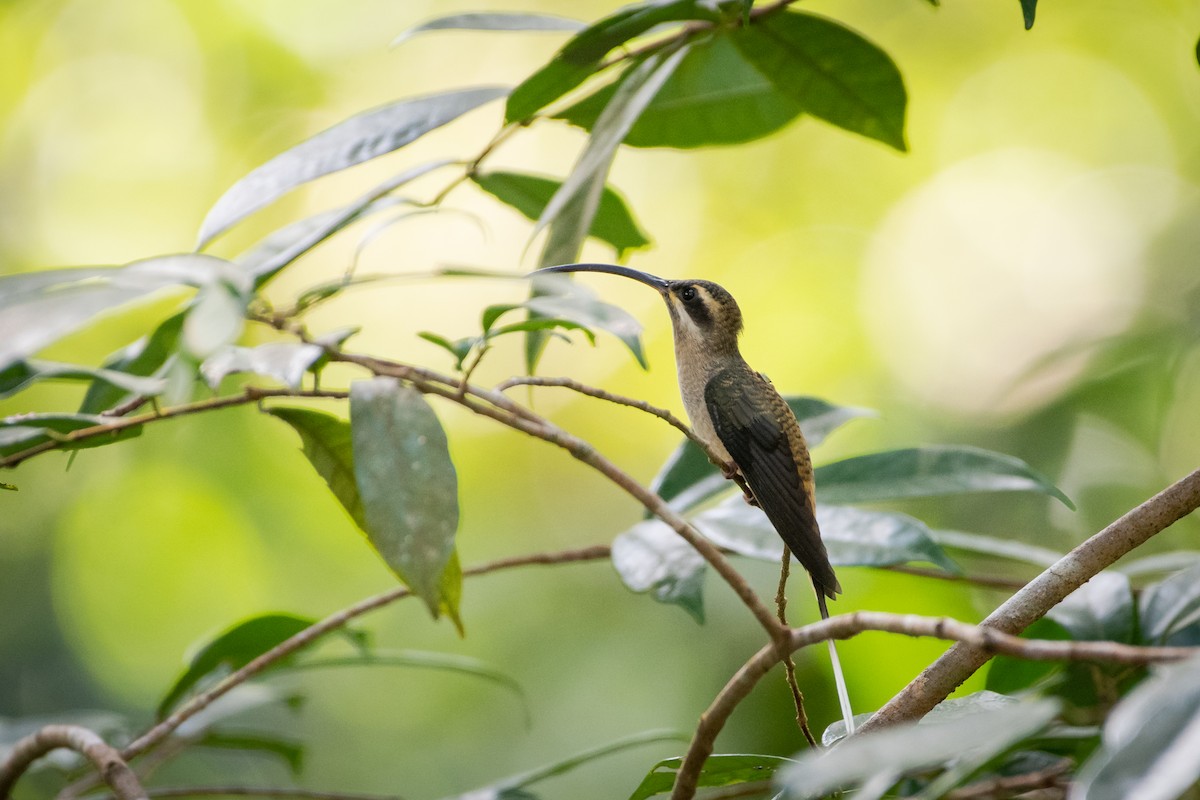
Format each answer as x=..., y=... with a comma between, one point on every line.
x=21, y=374
x=831, y=71
x=854, y=537
x=8, y=487
x=497, y=21
x=1100, y=610
x=37, y=309
x=290, y=751
x=286, y=362
x=650, y=557
x=899, y=749
x=1169, y=607
x=1010, y=675
x=542, y=324
x=543, y=87
x=688, y=478
x=714, y=97
x=529, y=194
x=281, y=248
x=719, y=770
x=148, y=356
x=232, y=650
x=459, y=348
x=407, y=483
x=1150, y=741
x=511, y=787
x=23, y=431
x=991, y=546
x=358, y=139
x=328, y=444
x=928, y=471
x=1028, y=10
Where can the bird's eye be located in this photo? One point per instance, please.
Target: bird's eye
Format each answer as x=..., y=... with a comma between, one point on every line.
x=687, y=294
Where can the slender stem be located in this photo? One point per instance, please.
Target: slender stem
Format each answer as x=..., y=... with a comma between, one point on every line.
x=846, y=626
x=110, y=766
x=1041, y=594
x=789, y=663
x=257, y=791
x=1013, y=785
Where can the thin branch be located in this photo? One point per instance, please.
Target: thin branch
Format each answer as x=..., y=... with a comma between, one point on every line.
x=109, y=764
x=327, y=625
x=1037, y=597
x=1013, y=785
x=249, y=395
x=789, y=664
x=846, y=626
x=255, y=791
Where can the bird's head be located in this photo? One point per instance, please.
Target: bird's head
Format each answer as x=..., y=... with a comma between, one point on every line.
x=702, y=313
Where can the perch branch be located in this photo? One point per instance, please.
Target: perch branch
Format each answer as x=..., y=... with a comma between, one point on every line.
x=986, y=639
x=109, y=764
x=1041, y=594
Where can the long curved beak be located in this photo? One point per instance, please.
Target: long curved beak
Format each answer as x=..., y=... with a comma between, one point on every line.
x=612, y=269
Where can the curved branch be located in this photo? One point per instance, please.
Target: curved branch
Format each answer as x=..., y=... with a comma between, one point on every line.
x=845, y=626
x=1041, y=594
x=105, y=758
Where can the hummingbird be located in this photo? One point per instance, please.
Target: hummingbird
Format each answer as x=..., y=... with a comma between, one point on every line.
x=738, y=413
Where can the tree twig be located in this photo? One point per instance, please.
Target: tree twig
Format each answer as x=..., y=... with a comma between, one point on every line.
x=789, y=663
x=1012, y=785
x=256, y=791
x=1041, y=594
x=109, y=764
x=846, y=626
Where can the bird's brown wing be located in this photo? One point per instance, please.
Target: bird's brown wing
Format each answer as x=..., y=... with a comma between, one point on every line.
x=754, y=423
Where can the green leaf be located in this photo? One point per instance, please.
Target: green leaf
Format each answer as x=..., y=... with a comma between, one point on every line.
x=21, y=374
x=583, y=308
x=719, y=770
x=981, y=544
x=278, y=250
x=1100, y=610
x=290, y=751
x=529, y=195
x=231, y=650
x=650, y=557
x=328, y=445
x=148, y=356
x=582, y=55
x=1010, y=675
x=1150, y=740
x=831, y=71
x=23, y=431
x=1028, y=10
x=353, y=141
x=497, y=21
x=928, y=472
x=513, y=786
x=854, y=537
x=587, y=177
x=715, y=96
x=407, y=483
x=892, y=752
x=688, y=478
x=286, y=362
x=37, y=309
x=459, y=348
x=1167, y=609
x=215, y=320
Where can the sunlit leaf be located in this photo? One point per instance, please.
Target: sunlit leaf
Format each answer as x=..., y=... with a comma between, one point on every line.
x=928, y=471
x=529, y=194
x=594, y=314
x=513, y=786
x=1150, y=740
x=494, y=21
x=21, y=374
x=1169, y=607
x=854, y=537
x=148, y=356
x=215, y=320
x=714, y=97
x=650, y=557
x=407, y=483
x=994, y=547
x=831, y=71
x=353, y=141
x=719, y=770
x=232, y=650
x=902, y=748
x=688, y=477
x=286, y=362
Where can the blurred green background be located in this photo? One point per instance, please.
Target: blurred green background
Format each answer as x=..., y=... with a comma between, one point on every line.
x=1025, y=279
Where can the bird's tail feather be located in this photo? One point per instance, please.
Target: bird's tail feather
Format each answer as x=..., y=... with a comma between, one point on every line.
x=838, y=677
